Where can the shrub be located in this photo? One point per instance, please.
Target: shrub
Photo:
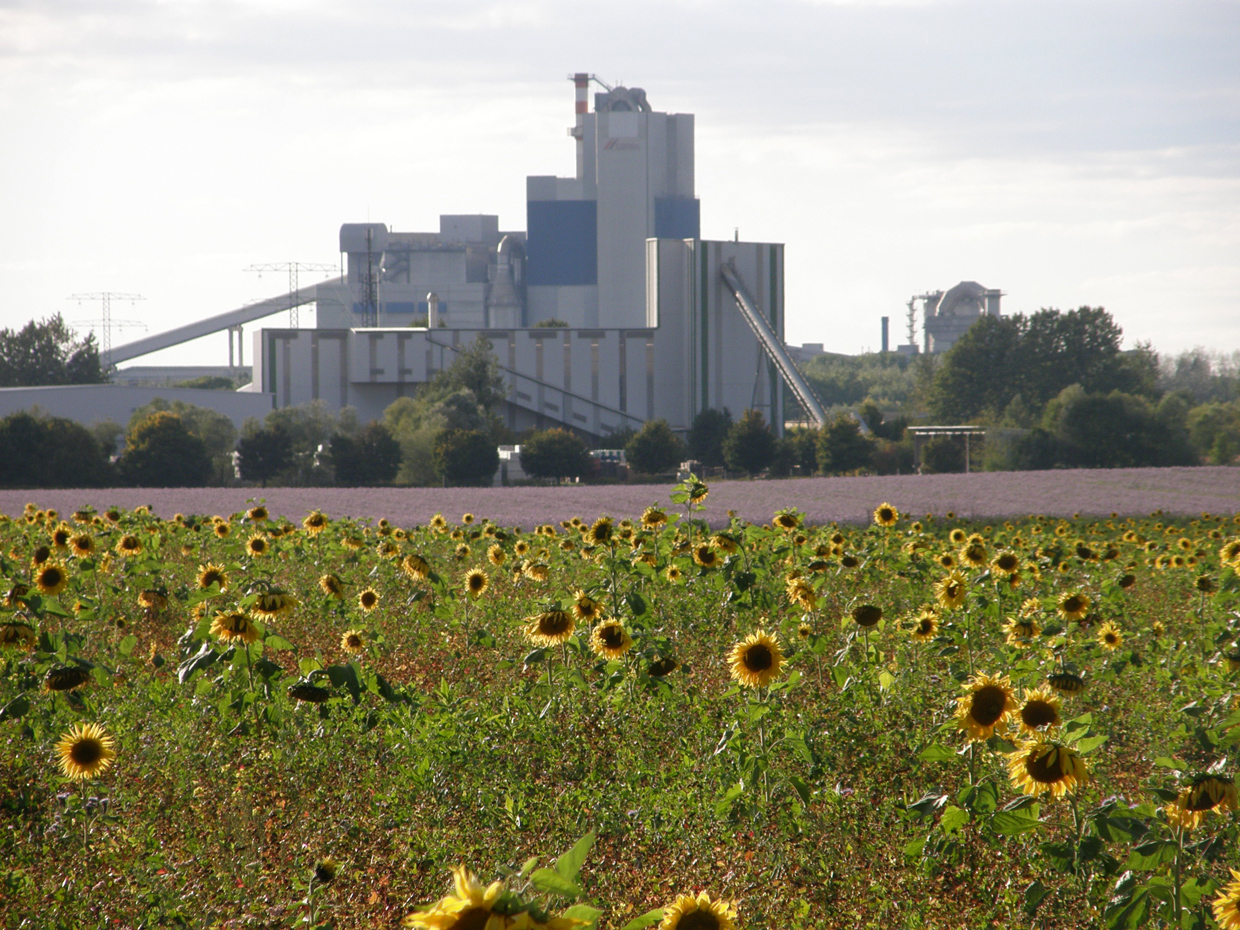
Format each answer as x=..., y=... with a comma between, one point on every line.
x=750, y=444
x=465, y=457
x=556, y=453
x=161, y=452
x=655, y=449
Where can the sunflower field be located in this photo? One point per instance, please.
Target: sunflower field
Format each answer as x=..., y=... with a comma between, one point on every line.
x=677, y=720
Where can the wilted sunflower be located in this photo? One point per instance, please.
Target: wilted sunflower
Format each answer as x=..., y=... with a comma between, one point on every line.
x=1226, y=906
x=17, y=634
x=787, y=520
x=925, y=626
x=698, y=492
x=698, y=913
x=724, y=543
x=801, y=593
x=1073, y=606
x=353, y=641
x=51, y=578
x=210, y=574
x=368, y=599
x=1205, y=584
x=310, y=693
x=585, y=607
x=1109, y=636
x=234, y=624
x=756, y=661
x=849, y=562
x=886, y=515
x=985, y=706
x=82, y=545
x=150, y=599
x=415, y=567
x=65, y=678
x=610, y=640
x=1210, y=793
x=315, y=522
x=470, y=907
x=1039, y=710
x=1066, y=682
x=1021, y=629
x=476, y=582
x=275, y=603
x=257, y=545
x=536, y=571
x=951, y=591
x=653, y=517
x=13, y=597
x=550, y=628
x=1039, y=766
x=332, y=586
x=85, y=751
x=867, y=615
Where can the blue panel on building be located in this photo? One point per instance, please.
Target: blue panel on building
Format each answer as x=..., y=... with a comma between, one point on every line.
x=677, y=218
x=561, y=247
x=402, y=306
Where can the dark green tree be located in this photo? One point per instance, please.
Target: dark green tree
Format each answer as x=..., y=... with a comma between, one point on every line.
x=50, y=452
x=750, y=444
x=215, y=429
x=475, y=368
x=161, y=452
x=264, y=453
x=47, y=352
x=706, y=435
x=368, y=458
x=655, y=449
x=465, y=457
x=842, y=448
x=796, y=452
x=556, y=453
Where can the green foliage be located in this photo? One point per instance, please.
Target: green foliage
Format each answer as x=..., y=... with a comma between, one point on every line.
x=1209, y=377
x=707, y=434
x=474, y=368
x=50, y=452
x=843, y=448
x=264, y=453
x=796, y=452
x=210, y=383
x=370, y=457
x=750, y=444
x=655, y=448
x=161, y=452
x=214, y=429
x=890, y=380
x=1214, y=431
x=48, y=353
x=556, y=453
x=550, y=324
x=310, y=428
x=466, y=457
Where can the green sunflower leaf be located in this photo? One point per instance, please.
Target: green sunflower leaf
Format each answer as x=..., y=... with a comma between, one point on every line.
x=1089, y=744
x=584, y=912
x=550, y=882
x=648, y=919
x=937, y=752
x=569, y=865
x=1014, y=823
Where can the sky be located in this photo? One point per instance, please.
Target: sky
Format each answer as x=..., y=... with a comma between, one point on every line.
x=1068, y=153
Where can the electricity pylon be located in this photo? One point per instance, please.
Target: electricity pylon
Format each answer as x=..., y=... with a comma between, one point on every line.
x=105, y=299
x=293, y=269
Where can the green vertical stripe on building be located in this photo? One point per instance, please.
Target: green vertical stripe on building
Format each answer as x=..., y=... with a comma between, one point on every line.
x=777, y=407
x=704, y=311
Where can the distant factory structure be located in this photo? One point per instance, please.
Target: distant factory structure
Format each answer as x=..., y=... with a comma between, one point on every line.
x=946, y=315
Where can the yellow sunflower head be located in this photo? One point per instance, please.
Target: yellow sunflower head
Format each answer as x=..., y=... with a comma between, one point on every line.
x=985, y=706
x=787, y=519
x=974, y=555
x=1039, y=710
x=332, y=586
x=600, y=532
x=1226, y=907
x=82, y=545
x=1073, y=605
x=1109, y=637
x=673, y=574
x=210, y=574
x=223, y=529
x=585, y=607
x=951, y=591
x=1206, y=794
x=353, y=641
x=496, y=555
x=536, y=571
x=653, y=517
x=1022, y=628
x=705, y=555
x=756, y=661
x=257, y=545
x=129, y=544
x=61, y=536
x=315, y=522
x=476, y=582
x=14, y=635
x=1005, y=563
x=550, y=628
x=1066, y=682
x=1040, y=766
x=698, y=913
x=65, y=678
x=51, y=578
x=925, y=626
x=886, y=515
x=234, y=625
x=415, y=567
x=257, y=514
x=468, y=907
x=85, y=751
x=368, y=599
x=610, y=640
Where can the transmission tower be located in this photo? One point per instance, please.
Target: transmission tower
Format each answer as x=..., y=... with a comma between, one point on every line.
x=293, y=269
x=105, y=299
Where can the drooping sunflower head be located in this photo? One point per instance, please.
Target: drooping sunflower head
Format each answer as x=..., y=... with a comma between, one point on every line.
x=234, y=625
x=803, y=594
x=65, y=678
x=496, y=555
x=257, y=545
x=17, y=635
x=415, y=567
x=1109, y=637
x=756, y=661
x=1066, y=682
x=272, y=603
x=51, y=578
x=476, y=582
x=1040, y=766
x=368, y=599
x=315, y=522
x=724, y=543
x=886, y=515
x=151, y=599
x=610, y=640
x=1206, y=794
x=985, y=706
x=210, y=574
x=698, y=913
x=1021, y=628
x=867, y=615
x=1039, y=710
x=353, y=641
x=1205, y=584
x=40, y=555
x=85, y=751
x=653, y=517
x=787, y=519
x=332, y=586
x=951, y=591
x=550, y=628
x=585, y=607
x=462, y=551
x=536, y=571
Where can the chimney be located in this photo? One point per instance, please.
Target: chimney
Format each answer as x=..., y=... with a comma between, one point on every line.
x=886, y=322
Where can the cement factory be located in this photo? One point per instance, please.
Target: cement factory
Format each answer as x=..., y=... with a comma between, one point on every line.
x=608, y=310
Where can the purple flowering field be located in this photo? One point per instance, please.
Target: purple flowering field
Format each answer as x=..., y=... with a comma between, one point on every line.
x=1128, y=491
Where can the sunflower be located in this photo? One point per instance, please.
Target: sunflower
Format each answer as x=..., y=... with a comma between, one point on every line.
x=536, y=571
x=787, y=520
x=257, y=545
x=223, y=530
x=550, y=628
x=150, y=599
x=61, y=536
x=974, y=555
x=653, y=517
x=610, y=640
x=985, y=706
x=476, y=582
x=368, y=599
x=867, y=615
x=600, y=532
x=1073, y=606
x=13, y=597
x=353, y=641
x=438, y=523
x=1039, y=710
x=65, y=678
x=951, y=591
x=257, y=513
x=756, y=661
x=496, y=555
x=40, y=555
x=1205, y=584
x=51, y=578
x=850, y=562
x=1021, y=629
x=698, y=492
x=700, y=913
x=462, y=551
x=725, y=543
x=13, y=633
x=1005, y=563
x=1206, y=794
x=470, y=907
x=1226, y=906
x=1229, y=552
x=673, y=574
x=957, y=537
x=415, y=567
x=232, y=625
x=332, y=586
x=85, y=751
x=585, y=607
x=210, y=574
x=128, y=545
x=803, y=594
x=1109, y=637
x=315, y=522
x=1039, y=766
x=1066, y=682
x=886, y=515
x=82, y=545
x=925, y=626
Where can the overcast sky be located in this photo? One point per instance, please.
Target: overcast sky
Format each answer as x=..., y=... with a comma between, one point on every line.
x=1066, y=152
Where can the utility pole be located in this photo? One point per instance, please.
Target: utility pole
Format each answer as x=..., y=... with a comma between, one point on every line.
x=293, y=269
x=105, y=299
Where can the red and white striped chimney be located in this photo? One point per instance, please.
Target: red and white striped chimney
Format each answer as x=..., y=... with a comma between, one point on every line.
x=581, y=84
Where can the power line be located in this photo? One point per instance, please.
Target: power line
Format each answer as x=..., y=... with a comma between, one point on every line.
x=293, y=269
x=105, y=299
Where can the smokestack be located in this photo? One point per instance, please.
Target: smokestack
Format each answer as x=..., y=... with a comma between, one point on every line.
x=581, y=86
x=886, y=321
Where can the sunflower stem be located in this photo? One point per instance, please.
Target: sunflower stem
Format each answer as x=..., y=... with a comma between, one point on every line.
x=1177, y=878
